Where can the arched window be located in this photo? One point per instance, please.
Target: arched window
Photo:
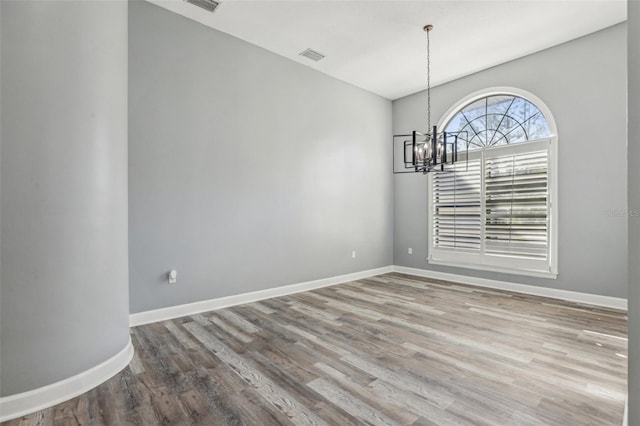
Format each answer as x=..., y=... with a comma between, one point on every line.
x=495, y=208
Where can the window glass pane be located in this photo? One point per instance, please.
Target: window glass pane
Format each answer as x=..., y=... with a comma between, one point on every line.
x=475, y=110
x=499, y=104
x=537, y=127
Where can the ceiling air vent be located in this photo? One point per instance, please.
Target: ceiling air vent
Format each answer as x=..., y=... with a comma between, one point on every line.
x=209, y=5
x=312, y=54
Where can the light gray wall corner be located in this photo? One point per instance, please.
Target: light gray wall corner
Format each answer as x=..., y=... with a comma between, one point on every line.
x=63, y=196
x=634, y=209
x=247, y=171
x=583, y=82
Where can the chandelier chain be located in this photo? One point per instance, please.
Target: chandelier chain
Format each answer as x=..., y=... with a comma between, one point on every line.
x=428, y=84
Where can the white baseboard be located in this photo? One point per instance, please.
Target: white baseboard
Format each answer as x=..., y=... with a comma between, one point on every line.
x=573, y=296
x=177, y=311
x=171, y=312
x=18, y=405
x=24, y=403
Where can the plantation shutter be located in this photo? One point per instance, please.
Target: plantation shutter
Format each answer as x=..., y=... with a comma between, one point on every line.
x=457, y=206
x=516, y=204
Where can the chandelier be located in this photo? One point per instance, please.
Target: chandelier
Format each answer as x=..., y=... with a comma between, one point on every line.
x=428, y=151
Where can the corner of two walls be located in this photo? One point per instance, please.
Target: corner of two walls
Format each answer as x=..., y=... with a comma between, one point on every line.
x=586, y=94
x=633, y=158
x=245, y=177
x=247, y=171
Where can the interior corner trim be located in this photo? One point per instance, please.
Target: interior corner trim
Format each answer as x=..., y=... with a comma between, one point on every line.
x=21, y=404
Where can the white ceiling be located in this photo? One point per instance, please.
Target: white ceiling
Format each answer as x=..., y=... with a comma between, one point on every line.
x=380, y=45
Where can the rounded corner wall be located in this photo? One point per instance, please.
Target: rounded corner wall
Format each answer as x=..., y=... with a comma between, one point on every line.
x=64, y=220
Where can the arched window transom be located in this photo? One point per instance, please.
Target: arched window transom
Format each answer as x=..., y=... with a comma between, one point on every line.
x=497, y=120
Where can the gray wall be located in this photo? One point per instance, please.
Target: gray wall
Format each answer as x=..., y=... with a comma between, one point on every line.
x=634, y=208
x=247, y=171
x=64, y=275
x=583, y=82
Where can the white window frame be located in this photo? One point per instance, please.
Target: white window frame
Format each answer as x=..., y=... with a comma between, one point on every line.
x=458, y=259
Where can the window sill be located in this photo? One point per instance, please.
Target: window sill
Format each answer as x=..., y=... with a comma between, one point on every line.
x=490, y=268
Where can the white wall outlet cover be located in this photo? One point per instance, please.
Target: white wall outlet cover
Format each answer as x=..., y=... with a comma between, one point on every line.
x=353, y=254
x=409, y=250
x=173, y=276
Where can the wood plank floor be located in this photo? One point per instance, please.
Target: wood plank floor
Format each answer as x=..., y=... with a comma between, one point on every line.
x=388, y=350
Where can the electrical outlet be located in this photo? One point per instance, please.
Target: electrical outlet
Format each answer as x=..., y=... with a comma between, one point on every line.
x=173, y=276
x=409, y=250
x=353, y=254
